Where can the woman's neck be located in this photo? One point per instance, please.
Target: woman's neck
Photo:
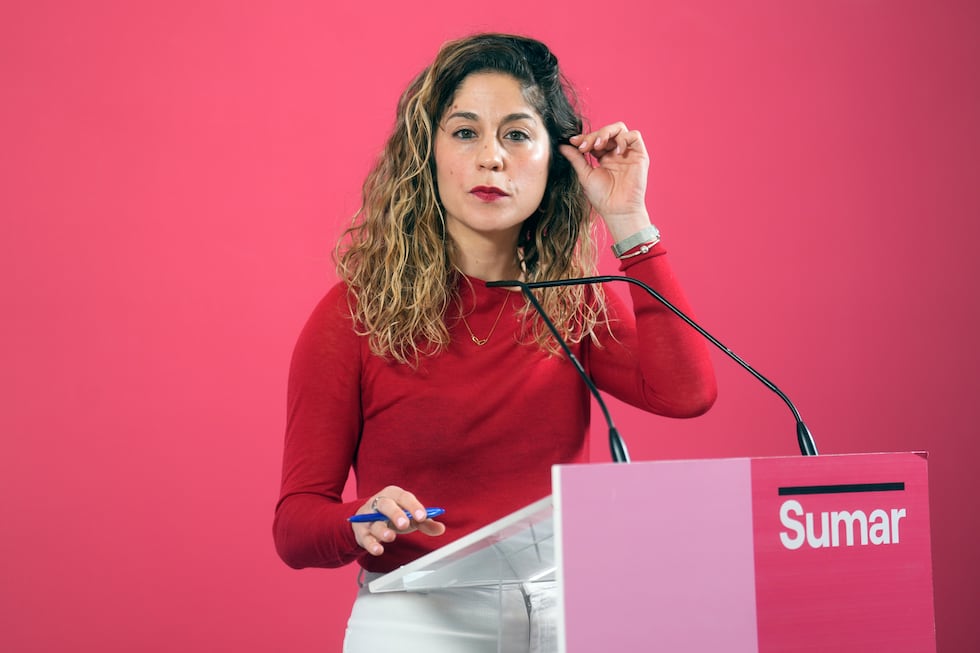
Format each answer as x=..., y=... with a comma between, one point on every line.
x=487, y=261
x=486, y=270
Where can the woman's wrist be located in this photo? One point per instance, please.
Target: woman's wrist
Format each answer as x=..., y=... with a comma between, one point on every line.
x=623, y=225
x=641, y=241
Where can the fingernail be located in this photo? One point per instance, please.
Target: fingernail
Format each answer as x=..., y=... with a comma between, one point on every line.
x=598, y=141
x=376, y=548
x=402, y=523
x=419, y=514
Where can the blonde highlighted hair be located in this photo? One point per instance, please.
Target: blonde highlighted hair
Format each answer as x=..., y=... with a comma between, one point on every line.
x=396, y=257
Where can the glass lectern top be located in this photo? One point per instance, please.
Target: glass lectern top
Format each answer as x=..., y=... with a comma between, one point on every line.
x=518, y=548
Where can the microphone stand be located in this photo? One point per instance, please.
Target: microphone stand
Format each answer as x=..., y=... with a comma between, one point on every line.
x=617, y=447
x=803, y=436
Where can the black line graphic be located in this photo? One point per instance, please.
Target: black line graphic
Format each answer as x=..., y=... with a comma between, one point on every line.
x=842, y=489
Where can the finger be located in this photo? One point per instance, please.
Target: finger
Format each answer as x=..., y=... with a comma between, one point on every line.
x=370, y=544
x=431, y=527
x=602, y=139
x=382, y=532
x=580, y=164
x=610, y=137
x=392, y=509
x=410, y=502
x=590, y=142
x=372, y=537
x=625, y=142
x=630, y=140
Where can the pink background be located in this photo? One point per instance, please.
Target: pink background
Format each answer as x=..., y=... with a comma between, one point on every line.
x=173, y=175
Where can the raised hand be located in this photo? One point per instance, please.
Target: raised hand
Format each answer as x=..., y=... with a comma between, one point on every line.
x=612, y=165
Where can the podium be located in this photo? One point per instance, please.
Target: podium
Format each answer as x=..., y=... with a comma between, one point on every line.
x=761, y=555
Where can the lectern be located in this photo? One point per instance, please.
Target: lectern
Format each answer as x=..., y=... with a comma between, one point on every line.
x=760, y=555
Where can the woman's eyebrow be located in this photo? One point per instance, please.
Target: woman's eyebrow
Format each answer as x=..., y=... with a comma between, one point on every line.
x=469, y=115
x=465, y=115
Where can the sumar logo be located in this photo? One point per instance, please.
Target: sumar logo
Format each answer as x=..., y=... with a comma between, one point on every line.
x=835, y=528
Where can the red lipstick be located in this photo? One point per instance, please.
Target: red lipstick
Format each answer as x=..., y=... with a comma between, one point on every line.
x=488, y=193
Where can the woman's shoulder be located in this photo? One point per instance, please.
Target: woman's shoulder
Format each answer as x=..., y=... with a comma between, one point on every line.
x=333, y=313
x=329, y=335
x=339, y=294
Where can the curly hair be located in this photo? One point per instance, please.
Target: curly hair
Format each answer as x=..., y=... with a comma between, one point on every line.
x=396, y=258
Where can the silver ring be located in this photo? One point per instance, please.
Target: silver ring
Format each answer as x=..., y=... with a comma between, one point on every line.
x=374, y=504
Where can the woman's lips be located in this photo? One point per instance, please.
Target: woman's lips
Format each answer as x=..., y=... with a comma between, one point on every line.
x=488, y=193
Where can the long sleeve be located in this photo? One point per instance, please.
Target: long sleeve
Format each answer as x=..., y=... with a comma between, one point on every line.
x=655, y=361
x=322, y=428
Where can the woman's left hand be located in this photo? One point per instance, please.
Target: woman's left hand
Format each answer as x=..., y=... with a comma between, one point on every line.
x=617, y=186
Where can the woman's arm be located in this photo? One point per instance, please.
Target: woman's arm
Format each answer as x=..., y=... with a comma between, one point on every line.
x=323, y=424
x=653, y=359
x=322, y=427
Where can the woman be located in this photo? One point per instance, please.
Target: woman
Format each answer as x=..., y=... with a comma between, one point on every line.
x=434, y=388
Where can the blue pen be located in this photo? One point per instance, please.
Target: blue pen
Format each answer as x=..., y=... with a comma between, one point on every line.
x=377, y=516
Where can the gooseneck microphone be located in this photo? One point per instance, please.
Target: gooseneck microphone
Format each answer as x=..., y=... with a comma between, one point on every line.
x=617, y=448
x=803, y=436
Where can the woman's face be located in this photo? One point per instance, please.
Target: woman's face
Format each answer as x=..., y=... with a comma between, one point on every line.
x=492, y=153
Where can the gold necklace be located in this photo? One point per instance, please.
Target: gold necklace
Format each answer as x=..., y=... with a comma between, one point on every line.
x=479, y=342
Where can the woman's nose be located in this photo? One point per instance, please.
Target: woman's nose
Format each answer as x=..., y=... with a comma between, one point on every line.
x=491, y=155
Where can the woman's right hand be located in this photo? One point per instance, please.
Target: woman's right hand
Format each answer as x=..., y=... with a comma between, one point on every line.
x=392, y=502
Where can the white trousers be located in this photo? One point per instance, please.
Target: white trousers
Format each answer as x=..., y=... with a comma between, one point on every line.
x=467, y=620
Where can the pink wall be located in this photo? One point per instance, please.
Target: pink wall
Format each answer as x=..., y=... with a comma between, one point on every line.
x=172, y=176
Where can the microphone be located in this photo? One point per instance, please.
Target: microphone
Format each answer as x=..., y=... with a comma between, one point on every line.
x=803, y=436
x=617, y=447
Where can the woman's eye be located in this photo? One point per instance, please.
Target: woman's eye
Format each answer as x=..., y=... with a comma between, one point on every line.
x=464, y=133
x=516, y=135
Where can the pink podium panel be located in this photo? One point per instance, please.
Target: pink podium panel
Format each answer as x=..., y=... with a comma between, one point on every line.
x=842, y=553
x=772, y=555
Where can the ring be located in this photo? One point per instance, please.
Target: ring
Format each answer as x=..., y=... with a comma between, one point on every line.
x=374, y=504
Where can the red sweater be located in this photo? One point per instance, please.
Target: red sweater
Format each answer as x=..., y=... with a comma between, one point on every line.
x=474, y=430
